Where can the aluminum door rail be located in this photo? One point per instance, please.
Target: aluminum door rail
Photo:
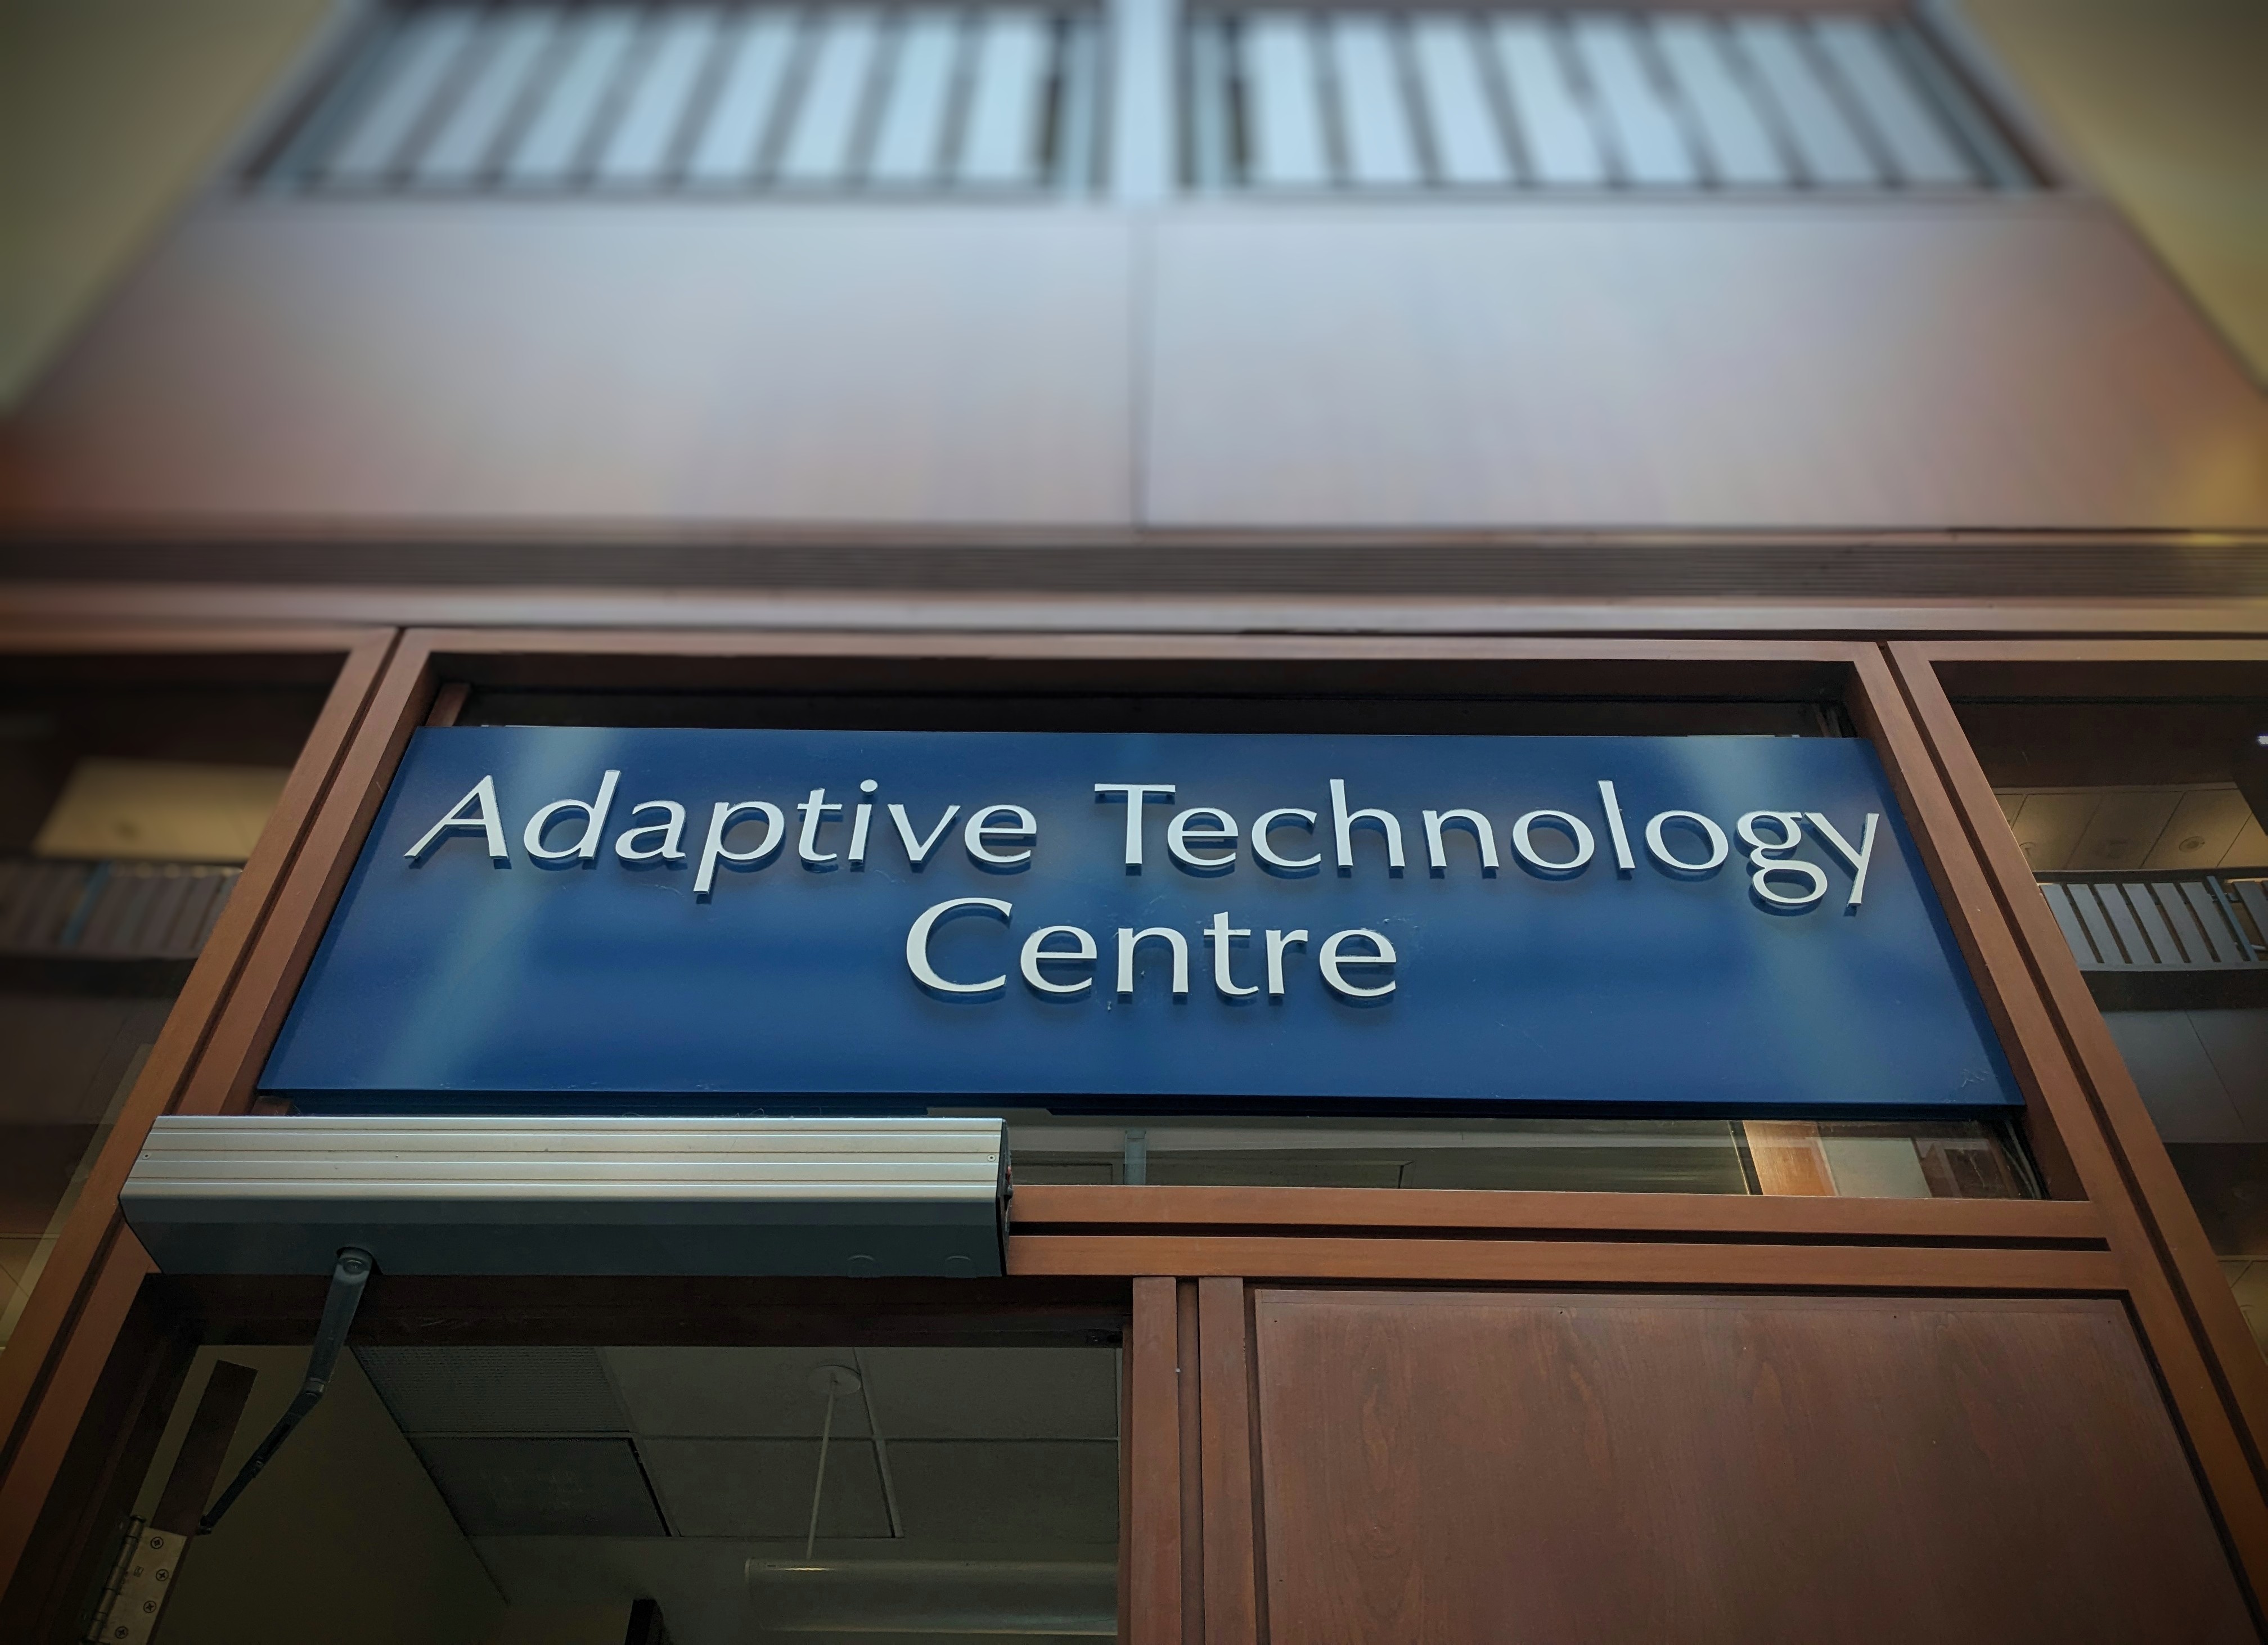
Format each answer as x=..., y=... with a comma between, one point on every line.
x=258, y=1195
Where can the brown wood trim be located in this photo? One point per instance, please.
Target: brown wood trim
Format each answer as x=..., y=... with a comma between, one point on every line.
x=2051, y=1104
x=223, y=1079
x=1616, y=1263
x=28, y=1495
x=654, y=558
x=1149, y=1454
x=2205, y=1349
x=1744, y=1243
x=2077, y=1150
x=71, y=635
x=1187, y=1371
x=2027, y=649
x=463, y=649
x=47, y=1375
x=1225, y=1380
x=448, y=702
x=751, y=609
x=102, y=1471
x=1048, y=1210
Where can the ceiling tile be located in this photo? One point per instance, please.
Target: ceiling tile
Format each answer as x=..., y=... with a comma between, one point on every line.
x=1015, y=1491
x=500, y=1487
x=761, y=1487
x=493, y=1390
x=753, y=1393
x=993, y=1393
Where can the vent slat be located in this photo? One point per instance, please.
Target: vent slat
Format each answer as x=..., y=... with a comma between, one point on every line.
x=1917, y=148
x=910, y=141
x=1468, y=149
x=709, y=96
x=419, y=60
x=2120, y=915
x=1736, y=141
x=1380, y=149
x=511, y=50
x=1646, y=136
x=111, y=911
x=731, y=144
x=658, y=102
x=819, y=143
x=1828, y=147
x=551, y=151
x=1007, y=98
x=2166, y=946
x=2087, y=903
x=1283, y=99
x=2163, y=922
x=1555, y=133
x=2224, y=946
x=2083, y=945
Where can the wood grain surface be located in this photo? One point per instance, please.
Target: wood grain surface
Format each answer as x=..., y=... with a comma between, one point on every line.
x=64, y=1341
x=592, y=380
x=1457, y=1467
x=1995, y=365
x=331, y=363
x=2168, y=1225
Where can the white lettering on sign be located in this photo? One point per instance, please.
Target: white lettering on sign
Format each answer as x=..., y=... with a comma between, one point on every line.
x=1060, y=961
x=1067, y=945
x=1332, y=960
x=1437, y=855
x=1345, y=822
x=722, y=820
x=918, y=946
x=1037, y=954
x=669, y=848
x=1202, y=828
x=1267, y=823
x=485, y=819
x=1856, y=858
x=982, y=835
x=594, y=824
x=1768, y=865
x=1135, y=794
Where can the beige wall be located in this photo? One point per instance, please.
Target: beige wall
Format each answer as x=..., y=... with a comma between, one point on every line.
x=2165, y=102
x=110, y=113
x=341, y=1539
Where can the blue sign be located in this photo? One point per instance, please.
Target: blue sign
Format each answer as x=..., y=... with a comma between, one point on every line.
x=817, y=921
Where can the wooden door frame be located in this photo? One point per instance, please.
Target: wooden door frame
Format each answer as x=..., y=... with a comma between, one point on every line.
x=427, y=659
x=1192, y=1254
x=59, y=1363
x=2163, y=1214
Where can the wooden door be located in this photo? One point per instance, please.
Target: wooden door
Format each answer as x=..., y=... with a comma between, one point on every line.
x=1460, y=1467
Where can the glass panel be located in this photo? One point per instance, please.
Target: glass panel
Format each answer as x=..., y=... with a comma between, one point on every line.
x=2141, y=817
x=129, y=802
x=507, y=1496
x=1917, y=1160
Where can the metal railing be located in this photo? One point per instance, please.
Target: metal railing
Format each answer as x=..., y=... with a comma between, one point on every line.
x=110, y=910
x=2161, y=922
x=1684, y=101
x=641, y=100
